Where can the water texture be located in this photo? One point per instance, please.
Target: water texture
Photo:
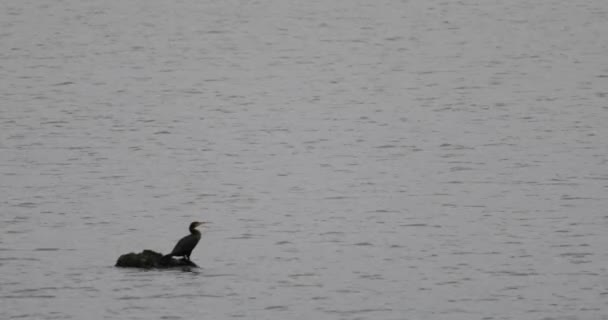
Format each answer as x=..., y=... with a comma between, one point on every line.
x=357, y=159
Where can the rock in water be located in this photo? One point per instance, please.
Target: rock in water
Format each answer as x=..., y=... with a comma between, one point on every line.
x=148, y=259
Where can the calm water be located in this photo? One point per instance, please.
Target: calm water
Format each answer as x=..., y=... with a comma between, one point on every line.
x=357, y=159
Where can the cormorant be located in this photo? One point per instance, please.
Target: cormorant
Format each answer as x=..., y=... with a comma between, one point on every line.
x=185, y=245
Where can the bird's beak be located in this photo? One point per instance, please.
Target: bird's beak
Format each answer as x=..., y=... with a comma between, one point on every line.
x=202, y=223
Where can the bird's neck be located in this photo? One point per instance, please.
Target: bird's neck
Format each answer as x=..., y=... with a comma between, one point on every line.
x=195, y=232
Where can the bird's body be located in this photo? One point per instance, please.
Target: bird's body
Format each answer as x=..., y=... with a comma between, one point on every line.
x=185, y=245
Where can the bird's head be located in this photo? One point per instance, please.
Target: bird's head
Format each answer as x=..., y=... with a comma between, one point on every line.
x=197, y=223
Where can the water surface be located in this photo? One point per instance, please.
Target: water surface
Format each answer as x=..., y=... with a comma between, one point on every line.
x=357, y=159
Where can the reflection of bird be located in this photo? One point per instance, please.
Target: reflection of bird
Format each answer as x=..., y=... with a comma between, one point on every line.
x=185, y=245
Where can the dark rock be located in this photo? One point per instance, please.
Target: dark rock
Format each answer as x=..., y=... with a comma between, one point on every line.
x=148, y=259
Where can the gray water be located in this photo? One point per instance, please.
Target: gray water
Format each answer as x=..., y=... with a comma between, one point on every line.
x=356, y=159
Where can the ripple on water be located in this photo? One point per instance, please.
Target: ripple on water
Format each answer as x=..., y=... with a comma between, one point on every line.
x=28, y=205
x=276, y=308
x=356, y=312
x=19, y=259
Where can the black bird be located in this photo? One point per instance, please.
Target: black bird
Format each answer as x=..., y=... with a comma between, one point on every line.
x=185, y=245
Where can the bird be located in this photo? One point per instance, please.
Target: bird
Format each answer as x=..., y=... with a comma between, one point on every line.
x=185, y=245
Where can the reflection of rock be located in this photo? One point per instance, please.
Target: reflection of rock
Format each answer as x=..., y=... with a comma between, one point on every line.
x=150, y=259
